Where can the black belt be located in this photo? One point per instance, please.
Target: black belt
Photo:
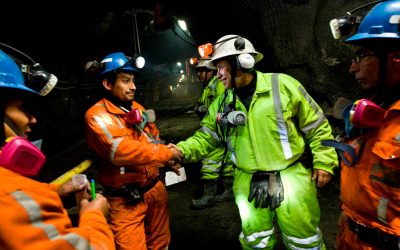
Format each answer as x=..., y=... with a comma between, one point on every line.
x=130, y=190
x=374, y=236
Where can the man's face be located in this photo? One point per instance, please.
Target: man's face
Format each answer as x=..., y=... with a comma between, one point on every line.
x=204, y=75
x=224, y=73
x=20, y=118
x=124, y=87
x=365, y=68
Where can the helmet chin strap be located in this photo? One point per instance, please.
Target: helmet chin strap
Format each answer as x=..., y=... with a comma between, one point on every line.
x=381, y=88
x=2, y=129
x=11, y=127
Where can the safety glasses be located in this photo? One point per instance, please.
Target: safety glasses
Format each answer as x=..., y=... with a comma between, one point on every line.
x=359, y=55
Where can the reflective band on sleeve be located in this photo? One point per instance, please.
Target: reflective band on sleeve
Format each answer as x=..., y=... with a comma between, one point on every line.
x=382, y=208
x=35, y=217
x=211, y=168
x=210, y=161
x=283, y=132
x=321, y=117
x=115, y=144
x=210, y=132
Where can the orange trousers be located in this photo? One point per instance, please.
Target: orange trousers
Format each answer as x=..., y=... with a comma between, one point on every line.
x=144, y=225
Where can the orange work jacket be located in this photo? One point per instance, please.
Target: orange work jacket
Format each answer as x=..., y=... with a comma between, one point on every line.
x=128, y=153
x=33, y=217
x=370, y=189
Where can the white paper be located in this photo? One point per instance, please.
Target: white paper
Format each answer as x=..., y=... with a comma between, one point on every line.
x=172, y=178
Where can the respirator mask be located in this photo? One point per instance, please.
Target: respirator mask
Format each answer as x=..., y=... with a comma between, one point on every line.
x=20, y=155
x=362, y=113
x=237, y=118
x=138, y=117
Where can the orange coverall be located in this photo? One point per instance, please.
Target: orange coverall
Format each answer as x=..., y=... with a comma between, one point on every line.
x=370, y=189
x=33, y=217
x=129, y=155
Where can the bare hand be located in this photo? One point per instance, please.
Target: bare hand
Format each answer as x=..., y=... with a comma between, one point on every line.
x=177, y=155
x=99, y=203
x=175, y=168
x=68, y=188
x=321, y=176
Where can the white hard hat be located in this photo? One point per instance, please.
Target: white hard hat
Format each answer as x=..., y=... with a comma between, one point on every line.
x=233, y=45
x=203, y=63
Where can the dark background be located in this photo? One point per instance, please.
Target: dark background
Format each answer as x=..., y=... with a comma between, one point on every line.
x=293, y=35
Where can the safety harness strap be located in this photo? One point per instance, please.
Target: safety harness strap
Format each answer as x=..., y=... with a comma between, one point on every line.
x=341, y=149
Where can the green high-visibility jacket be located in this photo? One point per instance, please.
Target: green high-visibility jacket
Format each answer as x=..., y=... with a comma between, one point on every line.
x=213, y=89
x=282, y=117
x=212, y=163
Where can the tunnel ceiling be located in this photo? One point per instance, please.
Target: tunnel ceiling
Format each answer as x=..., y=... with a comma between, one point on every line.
x=90, y=27
x=293, y=35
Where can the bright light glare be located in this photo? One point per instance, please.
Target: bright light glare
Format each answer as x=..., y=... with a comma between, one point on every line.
x=182, y=24
x=243, y=208
x=140, y=62
x=179, y=64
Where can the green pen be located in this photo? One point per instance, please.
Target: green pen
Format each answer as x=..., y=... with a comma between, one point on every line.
x=93, y=188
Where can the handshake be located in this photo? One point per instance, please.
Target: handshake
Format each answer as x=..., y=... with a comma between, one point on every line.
x=177, y=157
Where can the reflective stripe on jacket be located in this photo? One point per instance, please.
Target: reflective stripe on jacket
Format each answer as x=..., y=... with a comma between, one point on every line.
x=127, y=152
x=33, y=217
x=371, y=187
x=277, y=128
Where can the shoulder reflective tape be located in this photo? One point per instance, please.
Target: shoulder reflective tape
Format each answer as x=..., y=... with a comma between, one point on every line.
x=283, y=132
x=35, y=217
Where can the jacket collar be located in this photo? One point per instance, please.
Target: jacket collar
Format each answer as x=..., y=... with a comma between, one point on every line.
x=112, y=108
x=263, y=82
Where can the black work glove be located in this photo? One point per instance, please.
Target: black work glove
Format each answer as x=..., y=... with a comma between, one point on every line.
x=259, y=189
x=275, y=190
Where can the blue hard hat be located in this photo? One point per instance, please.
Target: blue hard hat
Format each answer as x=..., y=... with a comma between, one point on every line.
x=381, y=23
x=117, y=61
x=10, y=74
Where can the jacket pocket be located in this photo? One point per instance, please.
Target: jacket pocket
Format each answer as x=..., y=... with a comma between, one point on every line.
x=384, y=174
x=275, y=128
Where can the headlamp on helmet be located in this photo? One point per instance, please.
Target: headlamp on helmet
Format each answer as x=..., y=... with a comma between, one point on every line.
x=193, y=61
x=350, y=23
x=31, y=78
x=205, y=50
x=342, y=27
